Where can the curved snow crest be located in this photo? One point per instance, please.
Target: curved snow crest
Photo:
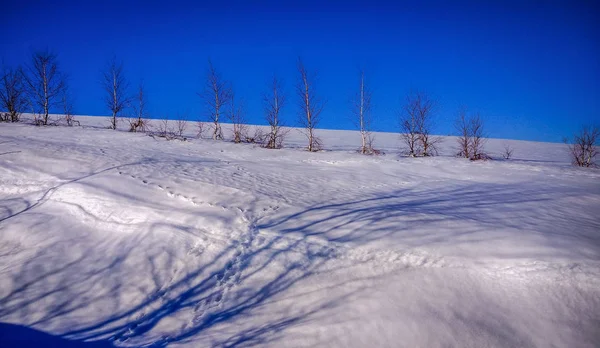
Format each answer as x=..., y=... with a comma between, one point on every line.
x=121, y=238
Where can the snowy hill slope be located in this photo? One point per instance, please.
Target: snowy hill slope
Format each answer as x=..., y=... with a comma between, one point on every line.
x=133, y=241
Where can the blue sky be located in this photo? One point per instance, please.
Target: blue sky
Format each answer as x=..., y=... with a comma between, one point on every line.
x=531, y=68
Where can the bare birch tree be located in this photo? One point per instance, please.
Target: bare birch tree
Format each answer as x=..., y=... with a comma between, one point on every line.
x=139, y=122
x=216, y=95
x=67, y=104
x=45, y=83
x=237, y=118
x=115, y=87
x=409, y=125
x=12, y=94
x=362, y=115
x=584, y=148
x=310, y=106
x=477, y=138
x=425, y=122
x=181, y=125
x=273, y=102
x=471, y=136
x=463, y=134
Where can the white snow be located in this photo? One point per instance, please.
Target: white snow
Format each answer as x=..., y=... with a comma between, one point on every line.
x=121, y=237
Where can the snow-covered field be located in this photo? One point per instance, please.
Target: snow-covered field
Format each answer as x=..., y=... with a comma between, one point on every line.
x=124, y=239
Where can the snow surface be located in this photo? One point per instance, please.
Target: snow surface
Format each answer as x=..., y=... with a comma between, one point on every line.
x=131, y=240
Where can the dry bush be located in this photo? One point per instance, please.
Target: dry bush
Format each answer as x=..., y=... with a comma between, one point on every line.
x=258, y=137
x=584, y=147
x=181, y=126
x=508, y=152
x=164, y=130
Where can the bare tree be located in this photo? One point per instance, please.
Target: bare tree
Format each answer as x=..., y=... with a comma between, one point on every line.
x=181, y=125
x=201, y=126
x=310, y=106
x=464, y=134
x=471, y=136
x=45, y=83
x=508, y=152
x=273, y=102
x=216, y=95
x=163, y=129
x=584, y=148
x=115, y=86
x=68, y=110
x=237, y=117
x=139, y=122
x=477, y=138
x=362, y=112
x=410, y=124
x=425, y=122
x=12, y=94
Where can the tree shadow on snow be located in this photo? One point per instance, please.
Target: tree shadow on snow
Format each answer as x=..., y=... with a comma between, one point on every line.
x=244, y=295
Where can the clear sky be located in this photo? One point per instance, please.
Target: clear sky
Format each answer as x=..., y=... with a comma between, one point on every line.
x=532, y=68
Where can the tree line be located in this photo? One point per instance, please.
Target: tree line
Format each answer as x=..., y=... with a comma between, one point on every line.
x=40, y=86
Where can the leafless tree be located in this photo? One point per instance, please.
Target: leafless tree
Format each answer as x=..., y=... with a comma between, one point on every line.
x=116, y=89
x=45, y=83
x=410, y=124
x=508, y=152
x=237, y=118
x=477, y=138
x=12, y=94
x=310, y=106
x=425, y=122
x=273, y=102
x=68, y=110
x=584, y=147
x=471, y=136
x=181, y=125
x=216, y=95
x=362, y=115
x=201, y=126
x=463, y=131
x=139, y=122
x=163, y=129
